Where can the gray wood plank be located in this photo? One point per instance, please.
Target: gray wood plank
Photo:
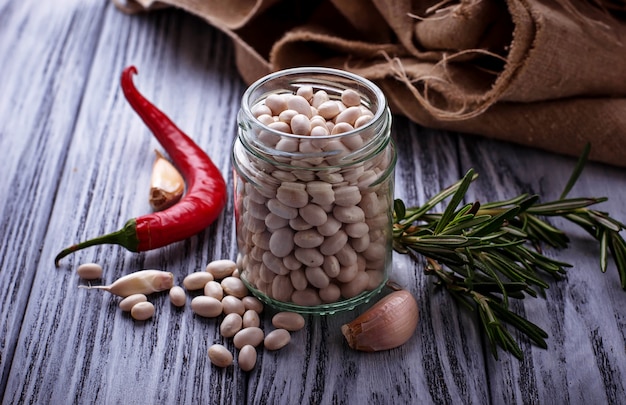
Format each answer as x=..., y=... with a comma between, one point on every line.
x=583, y=313
x=46, y=56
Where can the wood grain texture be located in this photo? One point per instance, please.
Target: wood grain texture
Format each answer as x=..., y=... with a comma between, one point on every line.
x=77, y=164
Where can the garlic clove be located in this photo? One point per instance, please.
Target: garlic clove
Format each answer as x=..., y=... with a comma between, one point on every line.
x=386, y=325
x=140, y=282
x=166, y=184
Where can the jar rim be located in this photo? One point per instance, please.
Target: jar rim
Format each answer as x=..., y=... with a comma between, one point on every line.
x=381, y=101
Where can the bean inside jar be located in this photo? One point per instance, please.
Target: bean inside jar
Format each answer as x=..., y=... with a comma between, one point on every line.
x=314, y=167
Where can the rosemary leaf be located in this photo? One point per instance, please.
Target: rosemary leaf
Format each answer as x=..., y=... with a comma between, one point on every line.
x=492, y=250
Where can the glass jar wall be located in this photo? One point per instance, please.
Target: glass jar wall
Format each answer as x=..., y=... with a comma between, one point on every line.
x=314, y=175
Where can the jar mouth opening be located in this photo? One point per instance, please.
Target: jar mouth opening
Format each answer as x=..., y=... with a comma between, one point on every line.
x=324, y=79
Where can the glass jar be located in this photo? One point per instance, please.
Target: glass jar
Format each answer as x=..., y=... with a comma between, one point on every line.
x=313, y=210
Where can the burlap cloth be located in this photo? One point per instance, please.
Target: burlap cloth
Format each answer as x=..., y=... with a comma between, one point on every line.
x=545, y=73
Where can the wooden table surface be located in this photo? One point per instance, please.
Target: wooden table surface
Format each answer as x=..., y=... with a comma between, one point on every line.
x=77, y=162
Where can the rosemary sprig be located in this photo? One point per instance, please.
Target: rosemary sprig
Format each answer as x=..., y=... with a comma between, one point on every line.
x=486, y=254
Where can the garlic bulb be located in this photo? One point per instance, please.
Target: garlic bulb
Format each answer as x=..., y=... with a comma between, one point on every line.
x=166, y=184
x=387, y=324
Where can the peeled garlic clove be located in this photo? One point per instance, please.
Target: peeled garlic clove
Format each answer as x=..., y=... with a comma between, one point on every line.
x=140, y=282
x=387, y=324
x=166, y=184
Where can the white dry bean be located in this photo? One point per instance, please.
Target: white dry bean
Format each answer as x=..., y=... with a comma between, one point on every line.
x=300, y=104
x=177, y=296
x=330, y=227
x=262, y=240
x=197, y=280
x=283, y=175
x=247, y=358
x=307, y=297
x=251, y=319
x=275, y=264
x=277, y=339
x=376, y=277
x=253, y=224
x=352, y=175
x=299, y=224
x=318, y=122
x=291, y=263
x=347, y=196
x=232, y=305
x=321, y=192
x=276, y=103
x=220, y=356
x=331, y=266
x=142, y=311
x=349, y=215
x=267, y=118
x=309, y=238
x=287, y=115
x=309, y=257
x=341, y=128
x=357, y=230
x=259, y=110
x=300, y=124
x=252, y=303
x=214, y=289
x=375, y=251
x=306, y=92
x=333, y=244
x=270, y=138
x=265, y=274
x=273, y=222
x=298, y=279
x=328, y=109
x=89, y=271
x=347, y=273
x=353, y=142
x=319, y=97
x=291, y=321
x=349, y=116
x=282, y=210
x=207, y=307
x=370, y=205
x=248, y=336
x=287, y=145
x=360, y=244
x=292, y=194
x=332, y=293
x=257, y=210
x=378, y=221
x=234, y=286
x=231, y=324
x=306, y=146
x=362, y=120
x=127, y=303
x=221, y=268
x=281, y=242
x=313, y=215
x=281, y=288
x=317, y=277
x=350, y=98
x=346, y=255
x=356, y=286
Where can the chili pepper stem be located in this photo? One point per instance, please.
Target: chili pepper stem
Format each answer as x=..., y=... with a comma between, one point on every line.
x=126, y=237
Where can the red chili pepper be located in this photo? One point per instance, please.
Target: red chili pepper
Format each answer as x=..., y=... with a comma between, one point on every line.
x=200, y=206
